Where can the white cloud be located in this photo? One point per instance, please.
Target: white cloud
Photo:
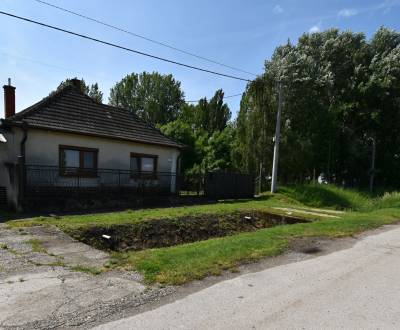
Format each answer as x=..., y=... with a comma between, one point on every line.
x=347, y=12
x=315, y=28
x=277, y=10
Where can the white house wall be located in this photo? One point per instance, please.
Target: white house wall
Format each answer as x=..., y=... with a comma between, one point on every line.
x=42, y=148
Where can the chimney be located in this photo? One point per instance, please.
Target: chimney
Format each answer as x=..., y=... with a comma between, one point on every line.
x=76, y=83
x=9, y=99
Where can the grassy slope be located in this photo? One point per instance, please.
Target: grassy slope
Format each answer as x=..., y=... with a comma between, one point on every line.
x=182, y=263
x=179, y=264
x=131, y=216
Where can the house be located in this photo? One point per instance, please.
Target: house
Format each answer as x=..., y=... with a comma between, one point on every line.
x=69, y=143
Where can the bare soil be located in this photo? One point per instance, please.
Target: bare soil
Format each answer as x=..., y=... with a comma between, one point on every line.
x=169, y=232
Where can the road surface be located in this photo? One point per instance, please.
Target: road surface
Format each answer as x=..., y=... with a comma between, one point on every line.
x=354, y=288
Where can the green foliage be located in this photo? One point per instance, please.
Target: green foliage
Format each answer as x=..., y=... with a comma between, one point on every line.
x=182, y=132
x=153, y=97
x=95, y=93
x=213, y=115
x=204, y=129
x=339, y=90
x=91, y=90
x=218, y=149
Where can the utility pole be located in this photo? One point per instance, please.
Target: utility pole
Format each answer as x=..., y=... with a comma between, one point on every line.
x=372, y=174
x=276, y=140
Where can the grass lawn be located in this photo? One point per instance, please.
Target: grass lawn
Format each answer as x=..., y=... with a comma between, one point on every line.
x=183, y=263
x=132, y=216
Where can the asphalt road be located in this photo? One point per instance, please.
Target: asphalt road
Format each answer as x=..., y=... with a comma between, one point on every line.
x=354, y=288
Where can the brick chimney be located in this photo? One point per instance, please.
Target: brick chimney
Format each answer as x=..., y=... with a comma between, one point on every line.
x=76, y=83
x=9, y=99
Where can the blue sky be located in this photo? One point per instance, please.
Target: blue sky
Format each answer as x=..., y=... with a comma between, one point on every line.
x=237, y=32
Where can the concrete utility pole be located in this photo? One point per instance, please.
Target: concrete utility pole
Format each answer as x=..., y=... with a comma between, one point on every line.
x=372, y=174
x=276, y=140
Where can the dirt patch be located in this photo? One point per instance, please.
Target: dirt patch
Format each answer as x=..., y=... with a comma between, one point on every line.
x=169, y=232
x=311, y=245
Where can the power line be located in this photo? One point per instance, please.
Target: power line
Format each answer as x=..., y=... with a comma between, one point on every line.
x=143, y=37
x=123, y=48
x=225, y=97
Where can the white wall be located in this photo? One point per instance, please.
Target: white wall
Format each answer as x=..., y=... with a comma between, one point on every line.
x=42, y=148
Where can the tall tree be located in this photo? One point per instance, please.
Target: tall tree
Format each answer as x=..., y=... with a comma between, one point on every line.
x=219, y=113
x=210, y=116
x=153, y=97
x=95, y=93
x=340, y=90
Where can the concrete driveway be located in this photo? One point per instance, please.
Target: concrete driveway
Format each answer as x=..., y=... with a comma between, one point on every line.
x=354, y=288
x=40, y=287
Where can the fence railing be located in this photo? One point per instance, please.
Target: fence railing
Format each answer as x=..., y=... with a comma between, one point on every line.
x=53, y=179
x=39, y=177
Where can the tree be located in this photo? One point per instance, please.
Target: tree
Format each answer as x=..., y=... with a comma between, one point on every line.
x=153, y=97
x=339, y=90
x=95, y=93
x=213, y=115
x=182, y=132
x=219, y=112
x=91, y=90
x=218, y=150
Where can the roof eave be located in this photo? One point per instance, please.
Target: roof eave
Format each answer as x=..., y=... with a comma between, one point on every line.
x=21, y=124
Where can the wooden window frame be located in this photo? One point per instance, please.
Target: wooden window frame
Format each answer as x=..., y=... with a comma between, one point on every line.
x=81, y=171
x=141, y=174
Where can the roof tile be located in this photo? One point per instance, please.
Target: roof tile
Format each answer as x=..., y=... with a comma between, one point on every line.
x=70, y=110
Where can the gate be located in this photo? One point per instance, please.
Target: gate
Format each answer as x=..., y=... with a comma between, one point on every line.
x=3, y=197
x=229, y=185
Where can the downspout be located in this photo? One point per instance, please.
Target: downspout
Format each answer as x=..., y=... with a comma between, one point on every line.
x=178, y=180
x=21, y=164
x=178, y=164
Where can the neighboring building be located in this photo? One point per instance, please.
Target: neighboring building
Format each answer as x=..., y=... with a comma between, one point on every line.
x=68, y=141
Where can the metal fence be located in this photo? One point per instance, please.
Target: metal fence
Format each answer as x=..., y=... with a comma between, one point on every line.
x=48, y=180
x=39, y=178
x=55, y=177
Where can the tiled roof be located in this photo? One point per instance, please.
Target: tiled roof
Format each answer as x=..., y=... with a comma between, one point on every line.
x=70, y=110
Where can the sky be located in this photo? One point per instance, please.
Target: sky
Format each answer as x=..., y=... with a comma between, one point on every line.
x=235, y=32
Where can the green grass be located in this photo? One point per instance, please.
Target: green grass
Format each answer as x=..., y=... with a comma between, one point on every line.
x=36, y=245
x=132, y=216
x=182, y=263
x=328, y=196
x=86, y=269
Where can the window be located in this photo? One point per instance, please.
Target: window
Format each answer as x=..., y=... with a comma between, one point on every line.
x=143, y=165
x=78, y=161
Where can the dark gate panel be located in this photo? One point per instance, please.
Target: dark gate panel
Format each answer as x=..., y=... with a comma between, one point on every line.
x=229, y=185
x=3, y=197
